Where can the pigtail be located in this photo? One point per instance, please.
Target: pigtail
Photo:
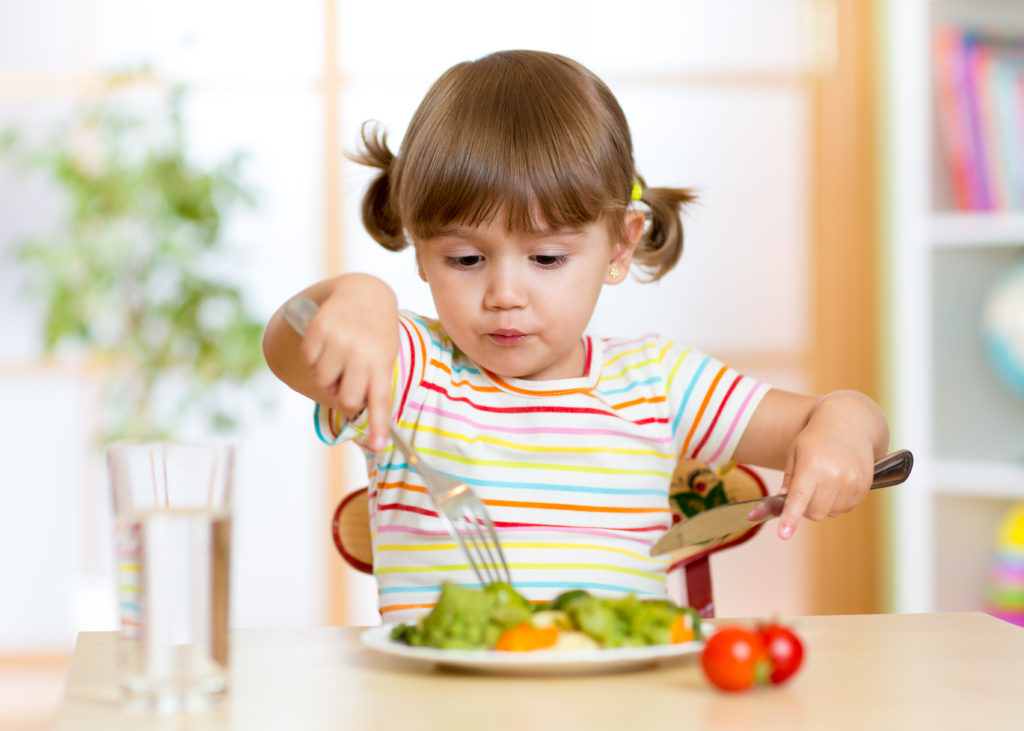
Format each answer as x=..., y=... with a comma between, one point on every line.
x=661, y=245
x=379, y=211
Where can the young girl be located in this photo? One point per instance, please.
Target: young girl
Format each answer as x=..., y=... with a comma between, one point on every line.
x=516, y=186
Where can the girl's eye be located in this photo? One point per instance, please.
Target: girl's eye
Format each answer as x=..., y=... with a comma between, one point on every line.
x=550, y=260
x=464, y=262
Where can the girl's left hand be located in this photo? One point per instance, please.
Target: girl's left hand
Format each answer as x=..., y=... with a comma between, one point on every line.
x=826, y=446
x=830, y=464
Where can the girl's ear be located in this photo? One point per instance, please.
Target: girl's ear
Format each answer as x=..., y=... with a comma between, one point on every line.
x=419, y=267
x=622, y=251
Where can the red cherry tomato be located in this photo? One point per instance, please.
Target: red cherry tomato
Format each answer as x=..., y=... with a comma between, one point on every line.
x=734, y=658
x=785, y=651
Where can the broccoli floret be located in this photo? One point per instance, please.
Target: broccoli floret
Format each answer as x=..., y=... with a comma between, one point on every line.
x=403, y=633
x=625, y=621
x=650, y=621
x=506, y=596
x=467, y=618
x=566, y=599
x=598, y=618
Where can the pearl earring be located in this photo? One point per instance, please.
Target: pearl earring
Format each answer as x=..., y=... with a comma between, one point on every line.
x=614, y=272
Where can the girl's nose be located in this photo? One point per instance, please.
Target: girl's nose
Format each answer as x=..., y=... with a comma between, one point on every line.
x=505, y=289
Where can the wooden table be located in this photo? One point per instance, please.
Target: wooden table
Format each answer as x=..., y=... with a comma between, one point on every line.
x=923, y=671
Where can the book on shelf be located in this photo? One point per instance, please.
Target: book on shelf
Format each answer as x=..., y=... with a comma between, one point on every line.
x=979, y=84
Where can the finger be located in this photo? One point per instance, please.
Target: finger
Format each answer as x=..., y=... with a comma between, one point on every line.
x=796, y=503
x=850, y=495
x=313, y=342
x=767, y=508
x=759, y=512
x=327, y=367
x=352, y=391
x=787, y=524
x=311, y=349
x=378, y=406
x=847, y=503
x=821, y=505
x=800, y=490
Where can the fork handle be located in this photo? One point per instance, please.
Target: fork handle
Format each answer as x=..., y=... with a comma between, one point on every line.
x=410, y=455
x=297, y=312
x=428, y=473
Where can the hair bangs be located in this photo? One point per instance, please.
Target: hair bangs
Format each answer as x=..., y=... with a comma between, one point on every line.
x=524, y=146
x=483, y=190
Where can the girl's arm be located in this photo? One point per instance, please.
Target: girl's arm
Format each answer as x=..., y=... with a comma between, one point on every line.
x=346, y=360
x=826, y=447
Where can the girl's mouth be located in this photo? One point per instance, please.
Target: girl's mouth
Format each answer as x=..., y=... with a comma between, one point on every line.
x=507, y=337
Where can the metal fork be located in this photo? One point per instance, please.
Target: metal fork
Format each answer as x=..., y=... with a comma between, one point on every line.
x=457, y=505
x=459, y=508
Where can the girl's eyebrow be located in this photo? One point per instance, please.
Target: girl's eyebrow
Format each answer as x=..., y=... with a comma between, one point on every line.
x=451, y=232
x=467, y=233
x=558, y=232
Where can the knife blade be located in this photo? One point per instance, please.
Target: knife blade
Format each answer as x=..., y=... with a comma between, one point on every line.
x=713, y=527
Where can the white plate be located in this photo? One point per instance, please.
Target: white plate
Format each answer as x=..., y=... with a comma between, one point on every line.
x=535, y=662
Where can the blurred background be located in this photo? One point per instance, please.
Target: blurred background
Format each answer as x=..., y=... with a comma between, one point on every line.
x=171, y=172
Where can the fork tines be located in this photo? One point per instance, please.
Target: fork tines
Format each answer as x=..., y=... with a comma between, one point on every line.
x=488, y=561
x=479, y=541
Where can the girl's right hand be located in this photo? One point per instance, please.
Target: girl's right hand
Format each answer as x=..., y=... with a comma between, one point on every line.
x=347, y=357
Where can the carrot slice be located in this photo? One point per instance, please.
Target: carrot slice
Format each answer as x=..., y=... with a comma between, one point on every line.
x=525, y=636
x=679, y=632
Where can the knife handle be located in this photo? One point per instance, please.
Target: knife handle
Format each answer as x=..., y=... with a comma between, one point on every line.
x=892, y=469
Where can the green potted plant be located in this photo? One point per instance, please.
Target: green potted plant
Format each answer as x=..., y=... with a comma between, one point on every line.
x=132, y=276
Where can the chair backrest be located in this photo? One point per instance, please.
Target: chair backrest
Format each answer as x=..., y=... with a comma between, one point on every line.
x=351, y=530
x=695, y=487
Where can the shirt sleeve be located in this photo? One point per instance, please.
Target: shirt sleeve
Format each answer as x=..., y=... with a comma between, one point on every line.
x=711, y=405
x=413, y=349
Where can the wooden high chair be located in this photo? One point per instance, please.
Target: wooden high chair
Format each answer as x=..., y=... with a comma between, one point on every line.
x=695, y=487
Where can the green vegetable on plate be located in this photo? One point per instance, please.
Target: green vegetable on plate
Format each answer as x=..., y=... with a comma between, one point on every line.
x=476, y=618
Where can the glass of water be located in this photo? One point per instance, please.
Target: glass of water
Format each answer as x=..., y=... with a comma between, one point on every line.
x=172, y=512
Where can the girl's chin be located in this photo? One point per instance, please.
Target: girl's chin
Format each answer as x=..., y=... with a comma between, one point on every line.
x=502, y=368
x=531, y=374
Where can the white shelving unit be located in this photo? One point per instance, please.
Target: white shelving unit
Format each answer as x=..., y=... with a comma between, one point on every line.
x=965, y=429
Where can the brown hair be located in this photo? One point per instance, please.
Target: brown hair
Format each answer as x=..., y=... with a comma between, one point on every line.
x=516, y=134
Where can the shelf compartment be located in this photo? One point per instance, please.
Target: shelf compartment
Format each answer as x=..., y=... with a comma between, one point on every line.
x=977, y=229
x=975, y=417
x=965, y=543
x=966, y=478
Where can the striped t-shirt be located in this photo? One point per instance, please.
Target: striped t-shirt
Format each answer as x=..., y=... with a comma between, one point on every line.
x=574, y=473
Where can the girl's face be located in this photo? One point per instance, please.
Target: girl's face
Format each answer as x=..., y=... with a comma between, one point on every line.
x=517, y=304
